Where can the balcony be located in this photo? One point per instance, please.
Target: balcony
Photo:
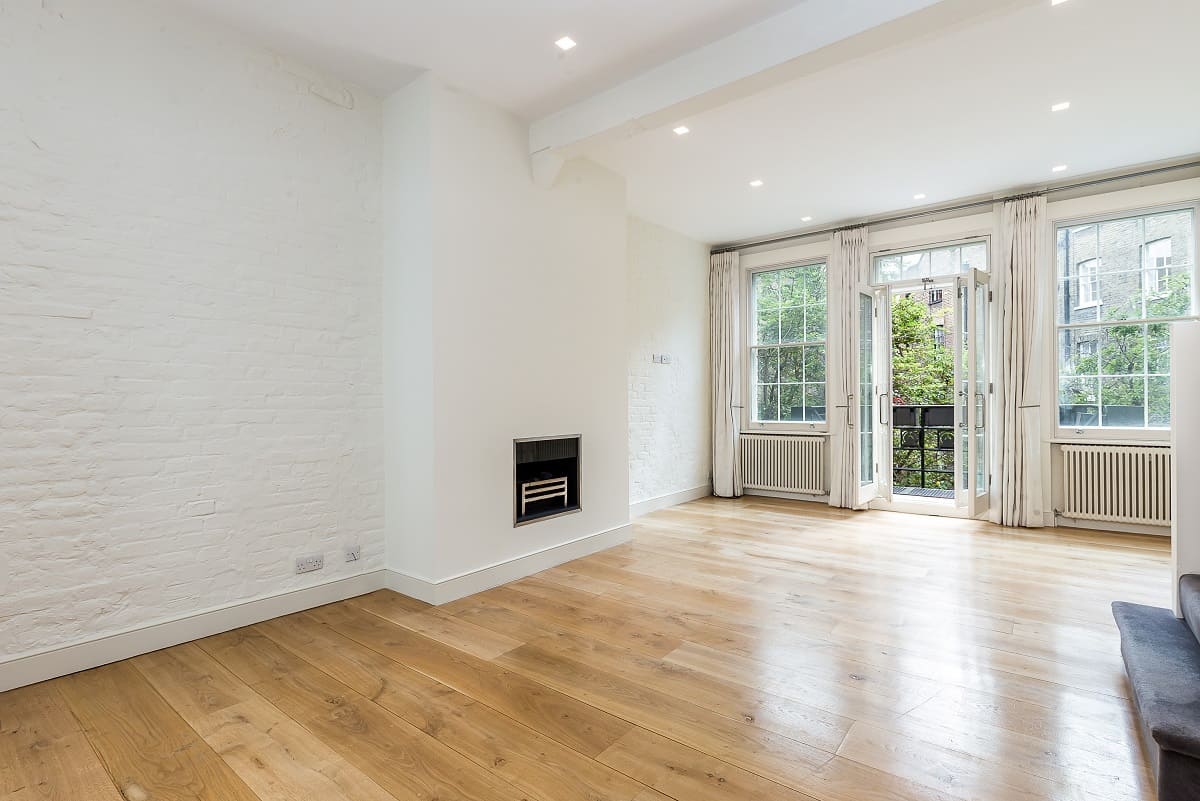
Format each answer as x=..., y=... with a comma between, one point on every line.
x=923, y=451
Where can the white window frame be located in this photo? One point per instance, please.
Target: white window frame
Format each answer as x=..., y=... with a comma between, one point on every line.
x=919, y=245
x=1132, y=436
x=749, y=331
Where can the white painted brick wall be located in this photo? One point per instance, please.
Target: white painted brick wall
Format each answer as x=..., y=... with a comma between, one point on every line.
x=669, y=423
x=189, y=306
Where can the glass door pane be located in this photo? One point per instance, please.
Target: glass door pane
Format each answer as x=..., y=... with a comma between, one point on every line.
x=963, y=395
x=866, y=398
x=981, y=488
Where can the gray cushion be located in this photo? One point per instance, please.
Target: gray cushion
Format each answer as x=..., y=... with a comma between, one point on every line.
x=1162, y=658
x=1189, y=602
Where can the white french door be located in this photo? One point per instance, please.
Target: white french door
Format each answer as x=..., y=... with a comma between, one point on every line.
x=878, y=431
x=864, y=411
x=973, y=389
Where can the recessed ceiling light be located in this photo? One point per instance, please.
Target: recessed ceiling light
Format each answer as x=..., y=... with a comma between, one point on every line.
x=1063, y=106
x=756, y=183
x=682, y=129
x=1059, y=168
x=1057, y=2
x=919, y=196
x=565, y=43
x=806, y=219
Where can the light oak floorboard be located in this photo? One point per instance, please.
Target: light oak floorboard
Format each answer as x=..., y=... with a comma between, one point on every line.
x=750, y=649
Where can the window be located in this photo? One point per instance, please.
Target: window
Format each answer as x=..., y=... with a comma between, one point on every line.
x=1158, y=266
x=1088, y=271
x=935, y=297
x=931, y=262
x=788, y=344
x=1119, y=281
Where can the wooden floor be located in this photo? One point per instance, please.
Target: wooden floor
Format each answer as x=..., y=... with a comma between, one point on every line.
x=741, y=650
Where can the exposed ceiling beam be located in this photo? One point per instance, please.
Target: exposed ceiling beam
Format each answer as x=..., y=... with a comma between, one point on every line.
x=808, y=38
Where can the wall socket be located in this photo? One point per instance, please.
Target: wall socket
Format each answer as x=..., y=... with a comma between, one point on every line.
x=353, y=553
x=307, y=564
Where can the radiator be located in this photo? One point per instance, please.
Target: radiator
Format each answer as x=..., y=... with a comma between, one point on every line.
x=1118, y=484
x=782, y=463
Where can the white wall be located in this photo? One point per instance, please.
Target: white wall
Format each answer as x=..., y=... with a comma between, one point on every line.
x=526, y=288
x=190, y=273
x=670, y=443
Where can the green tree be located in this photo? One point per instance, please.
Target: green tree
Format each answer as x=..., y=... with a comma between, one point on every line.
x=922, y=369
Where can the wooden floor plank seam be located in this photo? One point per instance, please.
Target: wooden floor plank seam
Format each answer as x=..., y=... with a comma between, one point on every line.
x=757, y=649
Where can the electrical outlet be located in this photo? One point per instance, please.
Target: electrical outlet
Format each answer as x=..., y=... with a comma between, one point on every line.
x=353, y=553
x=664, y=359
x=307, y=564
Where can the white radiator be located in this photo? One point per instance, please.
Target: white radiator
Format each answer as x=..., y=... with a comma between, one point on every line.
x=783, y=463
x=1118, y=484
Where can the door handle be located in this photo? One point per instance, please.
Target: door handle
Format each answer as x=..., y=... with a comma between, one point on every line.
x=850, y=411
x=982, y=421
x=884, y=417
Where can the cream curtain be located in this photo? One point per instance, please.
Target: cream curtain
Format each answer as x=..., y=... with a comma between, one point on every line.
x=1022, y=238
x=849, y=269
x=725, y=342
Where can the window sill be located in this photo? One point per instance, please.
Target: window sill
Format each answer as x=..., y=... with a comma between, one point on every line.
x=791, y=431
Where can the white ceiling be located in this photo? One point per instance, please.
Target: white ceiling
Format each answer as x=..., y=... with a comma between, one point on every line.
x=500, y=50
x=957, y=113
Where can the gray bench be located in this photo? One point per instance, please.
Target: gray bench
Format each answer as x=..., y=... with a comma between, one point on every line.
x=1162, y=658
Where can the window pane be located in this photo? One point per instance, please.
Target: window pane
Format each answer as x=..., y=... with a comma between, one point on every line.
x=974, y=257
x=768, y=327
x=767, y=403
x=767, y=365
x=789, y=309
x=1158, y=349
x=1123, y=350
x=791, y=402
x=814, y=402
x=791, y=324
x=814, y=323
x=945, y=261
x=1121, y=274
x=814, y=364
x=1123, y=402
x=887, y=269
x=1078, y=402
x=791, y=365
x=1158, y=409
x=814, y=285
x=914, y=265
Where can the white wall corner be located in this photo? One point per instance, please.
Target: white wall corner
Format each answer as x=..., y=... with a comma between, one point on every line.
x=460, y=586
x=670, y=499
x=546, y=166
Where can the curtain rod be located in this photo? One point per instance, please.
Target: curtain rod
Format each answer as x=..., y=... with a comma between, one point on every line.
x=914, y=215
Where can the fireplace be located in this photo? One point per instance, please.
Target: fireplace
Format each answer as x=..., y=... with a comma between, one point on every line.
x=545, y=478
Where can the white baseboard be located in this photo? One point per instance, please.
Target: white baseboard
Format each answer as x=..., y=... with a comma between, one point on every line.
x=31, y=668
x=670, y=499
x=460, y=586
x=1104, y=525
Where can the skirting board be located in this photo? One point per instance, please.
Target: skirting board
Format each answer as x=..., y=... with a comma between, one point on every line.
x=670, y=499
x=56, y=662
x=471, y=582
x=1104, y=525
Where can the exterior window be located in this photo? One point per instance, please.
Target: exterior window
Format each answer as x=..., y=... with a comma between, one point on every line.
x=1119, y=281
x=935, y=297
x=1158, y=266
x=787, y=350
x=931, y=262
x=1088, y=271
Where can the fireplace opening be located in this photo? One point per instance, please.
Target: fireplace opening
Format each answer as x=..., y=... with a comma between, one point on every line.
x=546, y=478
